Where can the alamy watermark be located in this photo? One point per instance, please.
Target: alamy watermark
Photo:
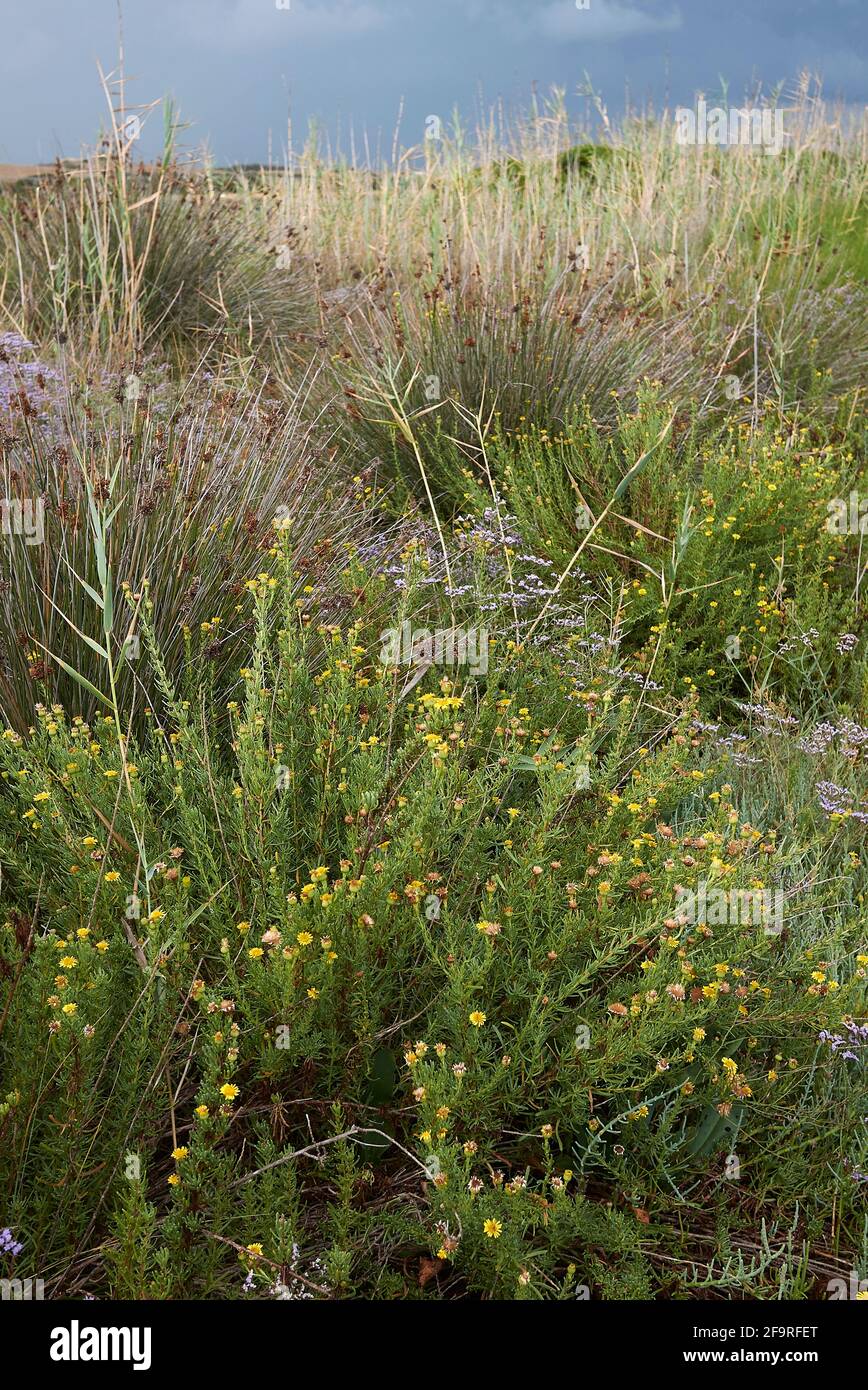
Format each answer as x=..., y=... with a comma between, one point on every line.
x=848, y=516
x=758, y=907
x=408, y=646
x=851, y=1288
x=18, y=1290
x=23, y=516
x=758, y=126
x=77, y=1343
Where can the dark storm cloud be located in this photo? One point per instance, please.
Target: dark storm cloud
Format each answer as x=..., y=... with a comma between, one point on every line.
x=238, y=68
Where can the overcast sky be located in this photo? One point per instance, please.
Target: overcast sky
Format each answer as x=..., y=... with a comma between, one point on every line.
x=236, y=68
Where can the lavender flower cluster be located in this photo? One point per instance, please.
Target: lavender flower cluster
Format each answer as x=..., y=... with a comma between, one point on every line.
x=479, y=560
x=840, y=801
x=851, y=734
x=30, y=383
x=850, y=1046
x=774, y=723
x=296, y=1288
x=806, y=639
x=8, y=1244
x=493, y=528
x=729, y=741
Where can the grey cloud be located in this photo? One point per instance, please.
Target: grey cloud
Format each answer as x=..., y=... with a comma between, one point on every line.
x=603, y=21
x=238, y=68
x=260, y=23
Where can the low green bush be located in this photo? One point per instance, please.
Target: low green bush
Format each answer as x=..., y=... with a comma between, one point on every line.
x=387, y=992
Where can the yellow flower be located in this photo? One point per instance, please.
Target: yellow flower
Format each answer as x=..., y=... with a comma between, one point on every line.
x=304, y=938
x=68, y=962
x=255, y=952
x=173, y=1180
x=698, y=1034
x=102, y=945
x=180, y=1152
x=228, y=1091
x=477, y=1018
x=242, y=927
x=112, y=877
x=70, y=1008
x=492, y=1228
x=202, y=1111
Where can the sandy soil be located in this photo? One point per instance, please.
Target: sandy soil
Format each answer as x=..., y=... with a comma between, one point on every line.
x=10, y=172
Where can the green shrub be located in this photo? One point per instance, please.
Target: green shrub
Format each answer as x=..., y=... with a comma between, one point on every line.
x=420, y=907
x=516, y=361
x=125, y=259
